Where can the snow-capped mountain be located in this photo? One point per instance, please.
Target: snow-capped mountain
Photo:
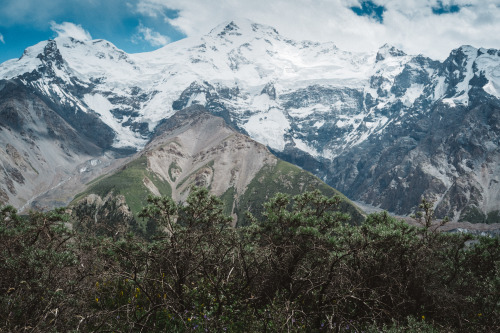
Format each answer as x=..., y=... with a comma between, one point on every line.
x=384, y=128
x=197, y=148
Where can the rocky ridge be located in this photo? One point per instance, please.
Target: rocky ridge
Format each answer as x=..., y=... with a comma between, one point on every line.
x=385, y=128
x=196, y=148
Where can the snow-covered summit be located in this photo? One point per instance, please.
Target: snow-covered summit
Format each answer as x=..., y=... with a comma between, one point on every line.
x=131, y=93
x=243, y=27
x=312, y=102
x=386, y=51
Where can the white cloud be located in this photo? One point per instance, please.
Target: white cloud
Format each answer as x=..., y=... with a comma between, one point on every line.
x=150, y=8
x=68, y=29
x=149, y=35
x=410, y=24
x=1, y=39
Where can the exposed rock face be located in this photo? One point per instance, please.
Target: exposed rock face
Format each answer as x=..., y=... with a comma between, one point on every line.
x=202, y=150
x=420, y=129
x=38, y=148
x=450, y=158
x=386, y=128
x=196, y=148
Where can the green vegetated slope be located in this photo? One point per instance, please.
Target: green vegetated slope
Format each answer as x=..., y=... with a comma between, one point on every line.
x=282, y=177
x=129, y=182
x=242, y=172
x=285, y=178
x=474, y=215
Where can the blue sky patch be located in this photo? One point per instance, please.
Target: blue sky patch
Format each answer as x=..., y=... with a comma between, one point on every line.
x=370, y=9
x=23, y=23
x=145, y=25
x=441, y=9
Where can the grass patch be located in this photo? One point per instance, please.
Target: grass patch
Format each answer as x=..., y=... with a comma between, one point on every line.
x=493, y=217
x=282, y=177
x=172, y=167
x=93, y=181
x=128, y=181
x=209, y=165
x=228, y=200
x=473, y=215
x=286, y=178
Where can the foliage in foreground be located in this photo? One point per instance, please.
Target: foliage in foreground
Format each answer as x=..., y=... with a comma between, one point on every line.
x=300, y=267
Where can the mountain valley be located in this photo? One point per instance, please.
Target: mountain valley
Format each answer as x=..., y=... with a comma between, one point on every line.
x=385, y=129
x=195, y=148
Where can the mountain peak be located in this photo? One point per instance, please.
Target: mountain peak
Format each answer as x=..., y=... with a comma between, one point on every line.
x=386, y=51
x=50, y=52
x=467, y=49
x=241, y=26
x=459, y=57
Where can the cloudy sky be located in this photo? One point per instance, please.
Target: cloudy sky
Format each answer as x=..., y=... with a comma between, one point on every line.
x=430, y=27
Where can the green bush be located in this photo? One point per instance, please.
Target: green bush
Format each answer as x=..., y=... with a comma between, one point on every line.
x=298, y=266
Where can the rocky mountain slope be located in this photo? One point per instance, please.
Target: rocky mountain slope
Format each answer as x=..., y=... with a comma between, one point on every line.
x=40, y=151
x=384, y=128
x=196, y=148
